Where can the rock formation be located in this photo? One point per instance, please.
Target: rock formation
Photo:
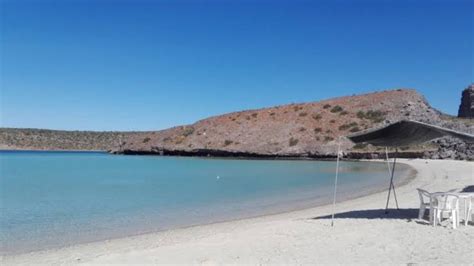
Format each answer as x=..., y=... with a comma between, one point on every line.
x=466, y=108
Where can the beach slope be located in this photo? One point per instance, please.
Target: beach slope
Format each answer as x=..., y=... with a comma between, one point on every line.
x=362, y=234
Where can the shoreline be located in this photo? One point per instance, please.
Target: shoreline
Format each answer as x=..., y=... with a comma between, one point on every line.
x=94, y=252
x=407, y=174
x=351, y=155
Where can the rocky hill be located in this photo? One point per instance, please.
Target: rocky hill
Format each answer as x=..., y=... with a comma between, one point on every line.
x=307, y=129
x=43, y=139
x=295, y=130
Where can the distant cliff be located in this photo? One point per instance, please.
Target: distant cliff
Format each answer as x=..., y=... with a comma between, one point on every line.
x=295, y=130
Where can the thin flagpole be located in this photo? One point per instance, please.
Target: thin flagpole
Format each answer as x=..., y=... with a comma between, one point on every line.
x=335, y=182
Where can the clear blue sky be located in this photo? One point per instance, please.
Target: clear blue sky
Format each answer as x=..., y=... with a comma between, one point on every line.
x=144, y=65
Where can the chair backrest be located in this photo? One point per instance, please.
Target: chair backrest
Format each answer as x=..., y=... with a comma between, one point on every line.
x=445, y=201
x=424, y=194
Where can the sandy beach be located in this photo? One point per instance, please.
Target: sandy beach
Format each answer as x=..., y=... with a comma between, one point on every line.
x=362, y=234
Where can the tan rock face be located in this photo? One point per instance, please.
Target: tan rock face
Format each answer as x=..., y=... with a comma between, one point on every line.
x=294, y=129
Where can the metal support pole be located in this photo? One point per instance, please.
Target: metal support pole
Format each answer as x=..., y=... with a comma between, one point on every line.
x=335, y=182
x=391, y=185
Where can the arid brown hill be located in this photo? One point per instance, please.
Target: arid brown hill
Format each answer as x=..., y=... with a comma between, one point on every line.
x=307, y=129
x=44, y=139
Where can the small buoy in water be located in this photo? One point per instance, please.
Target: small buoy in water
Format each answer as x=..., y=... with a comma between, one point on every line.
x=218, y=177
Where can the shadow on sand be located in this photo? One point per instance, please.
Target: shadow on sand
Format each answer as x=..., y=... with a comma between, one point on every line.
x=401, y=214
x=468, y=189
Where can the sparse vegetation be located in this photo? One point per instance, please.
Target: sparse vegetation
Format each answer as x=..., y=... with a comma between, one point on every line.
x=318, y=130
x=355, y=129
x=179, y=139
x=332, y=121
x=347, y=126
x=228, y=142
x=254, y=115
x=302, y=129
x=297, y=108
x=293, y=142
x=145, y=140
x=303, y=114
x=272, y=113
x=187, y=131
x=316, y=116
x=374, y=116
x=343, y=113
x=328, y=138
x=336, y=109
x=326, y=106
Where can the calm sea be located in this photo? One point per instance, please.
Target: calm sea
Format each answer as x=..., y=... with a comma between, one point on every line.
x=53, y=199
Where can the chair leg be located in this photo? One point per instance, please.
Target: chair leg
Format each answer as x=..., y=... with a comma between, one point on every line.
x=468, y=214
x=431, y=215
x=453, y=214
x=421, y=212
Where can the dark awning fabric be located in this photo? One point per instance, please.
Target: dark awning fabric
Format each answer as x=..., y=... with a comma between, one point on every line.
x=405, y=133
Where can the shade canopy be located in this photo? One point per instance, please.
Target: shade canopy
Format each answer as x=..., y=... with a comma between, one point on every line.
x=405, y=133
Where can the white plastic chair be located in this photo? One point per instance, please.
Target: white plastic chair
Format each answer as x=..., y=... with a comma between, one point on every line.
x=442, y=203
x=425, y=203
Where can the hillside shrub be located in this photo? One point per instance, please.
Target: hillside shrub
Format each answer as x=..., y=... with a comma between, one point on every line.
x=328, y=138
x=188, y=131
x=336, y=109
x=347, y=126
x=316, y=116
x=374, y=116
x=343, y=113
x=355, y=129
x=293, y=141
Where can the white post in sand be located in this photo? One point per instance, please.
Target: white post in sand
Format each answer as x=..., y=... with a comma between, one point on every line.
x=335, y=181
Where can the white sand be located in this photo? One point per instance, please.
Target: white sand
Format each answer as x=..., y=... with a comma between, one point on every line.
x=365, y=236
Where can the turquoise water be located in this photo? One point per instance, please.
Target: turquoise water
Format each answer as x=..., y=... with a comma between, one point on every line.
x=53, y=199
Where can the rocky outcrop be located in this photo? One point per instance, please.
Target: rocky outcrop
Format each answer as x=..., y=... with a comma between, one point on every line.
x=451, y=148
x=466, y=108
